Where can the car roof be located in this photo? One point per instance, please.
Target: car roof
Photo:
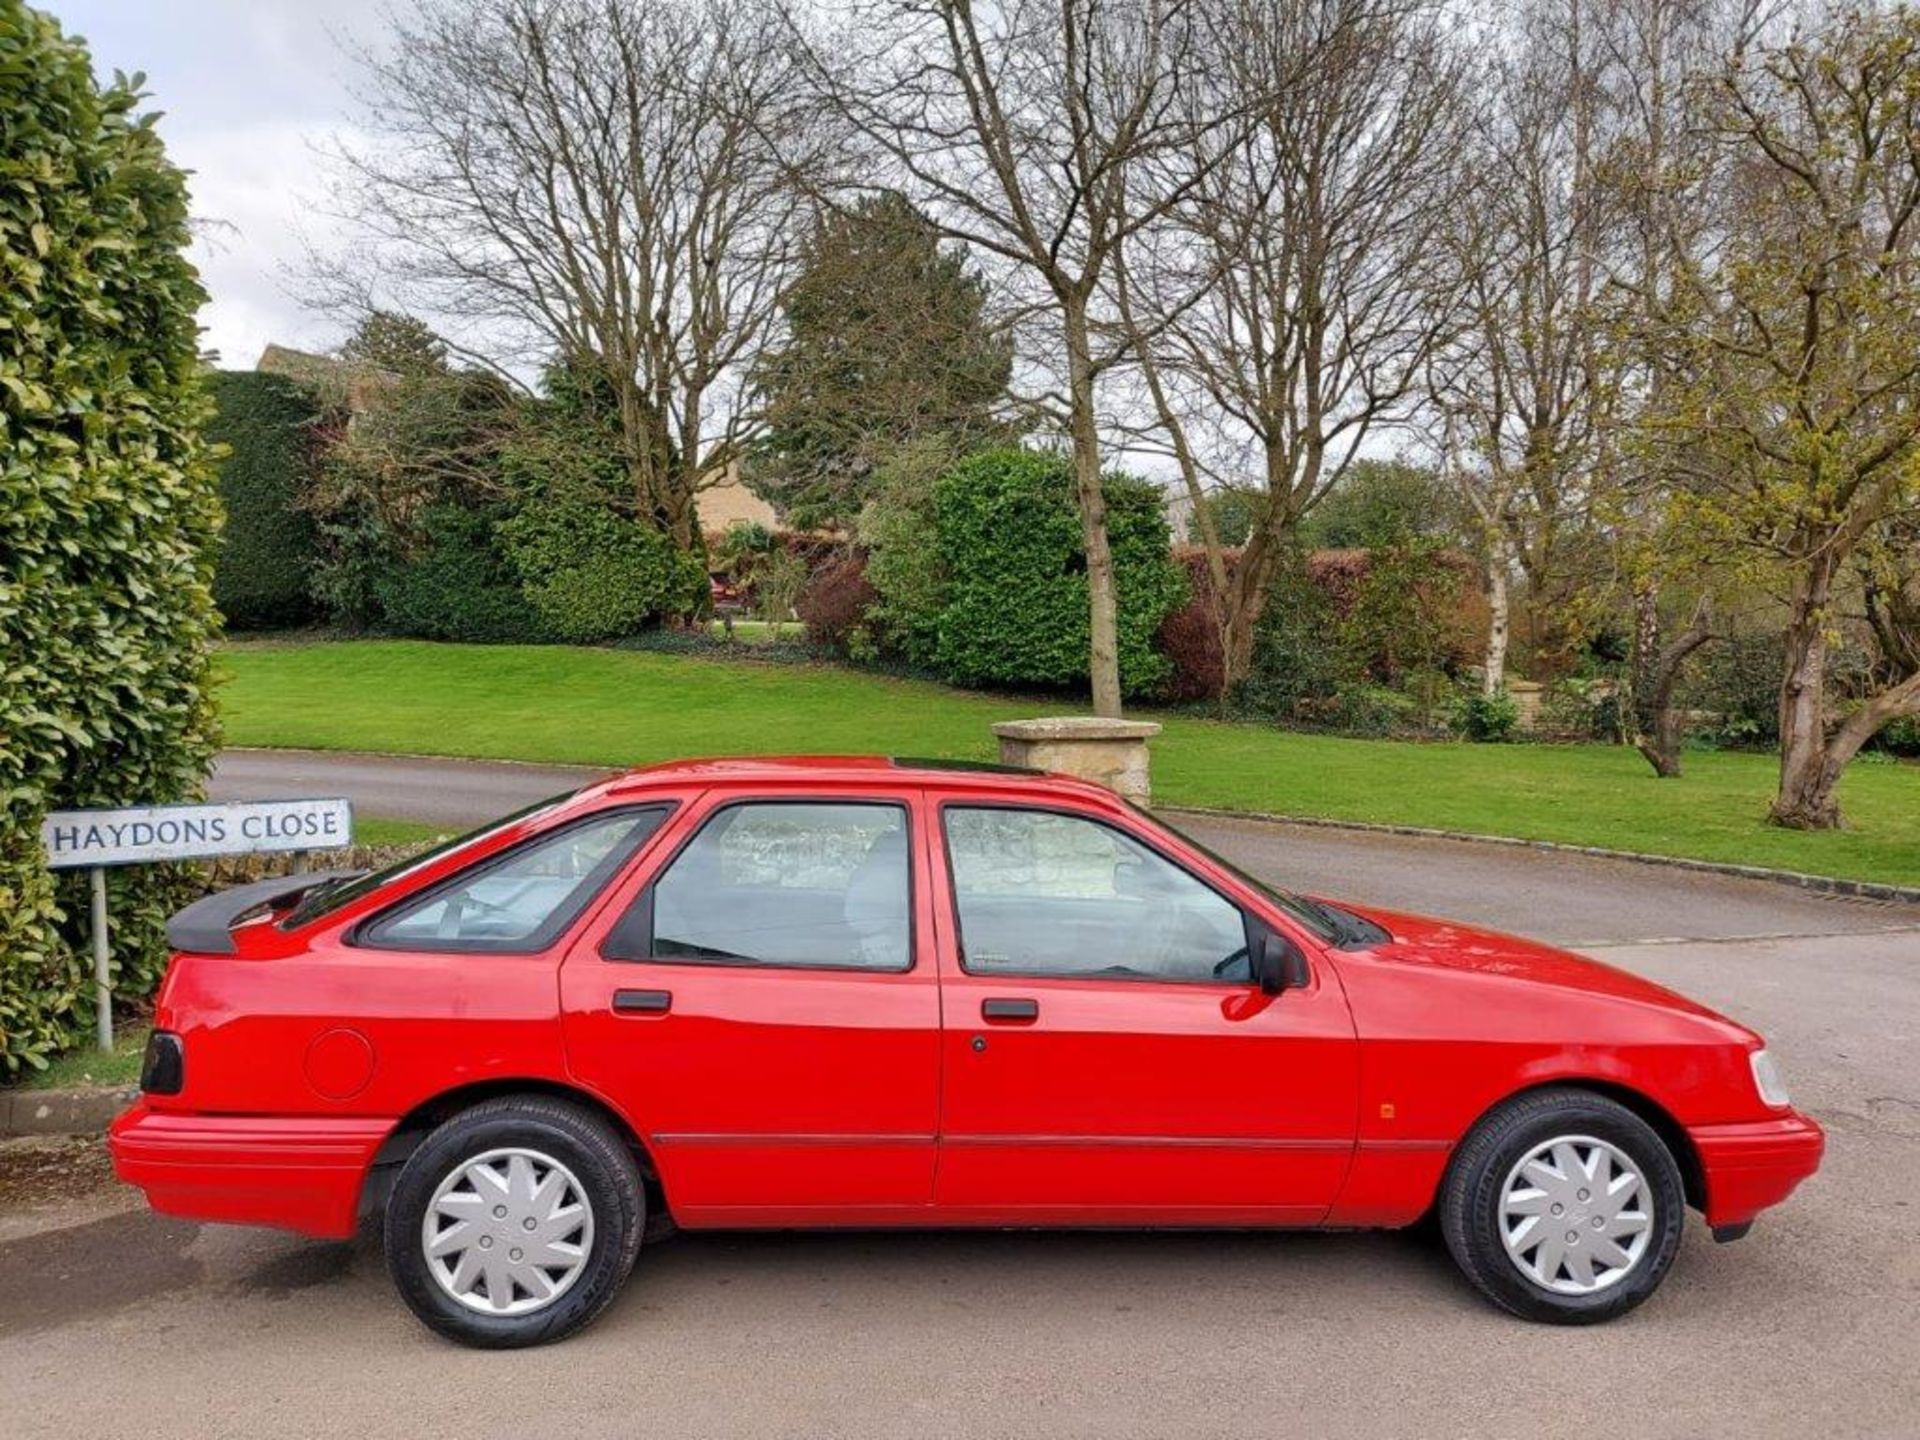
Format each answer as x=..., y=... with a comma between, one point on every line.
x=748, y=770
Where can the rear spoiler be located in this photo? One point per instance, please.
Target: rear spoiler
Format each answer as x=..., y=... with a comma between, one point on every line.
x=206, y=926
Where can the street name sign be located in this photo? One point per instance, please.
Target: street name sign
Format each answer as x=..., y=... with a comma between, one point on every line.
x=82, y=839
x=151, y=834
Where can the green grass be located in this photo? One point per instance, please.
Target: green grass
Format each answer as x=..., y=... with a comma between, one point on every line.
x=378, y=831
x=92, y=1067
x=609, y=707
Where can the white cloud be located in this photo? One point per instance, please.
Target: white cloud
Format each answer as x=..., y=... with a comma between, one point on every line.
x=251, y=91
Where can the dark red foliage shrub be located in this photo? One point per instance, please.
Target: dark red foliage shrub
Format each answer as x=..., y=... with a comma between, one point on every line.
x=1444, y=609
x=835, y=600
x=1188, y=637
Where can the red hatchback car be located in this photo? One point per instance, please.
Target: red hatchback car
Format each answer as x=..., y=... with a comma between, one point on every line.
x=861, y=992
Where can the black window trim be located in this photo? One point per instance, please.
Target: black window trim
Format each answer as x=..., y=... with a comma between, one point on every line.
x=640, y=909
x=1256, y=927
x=361, y=935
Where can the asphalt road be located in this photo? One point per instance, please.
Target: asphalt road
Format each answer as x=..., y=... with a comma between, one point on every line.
x=125, y=1323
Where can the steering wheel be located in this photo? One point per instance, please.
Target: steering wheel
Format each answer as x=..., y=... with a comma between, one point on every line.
x=1242, y=956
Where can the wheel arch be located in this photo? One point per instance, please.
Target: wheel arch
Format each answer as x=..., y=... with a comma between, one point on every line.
x=1658, y=1118
x=414, y=1127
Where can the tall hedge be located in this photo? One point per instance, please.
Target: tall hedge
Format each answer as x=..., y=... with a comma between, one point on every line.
x=263, y=566
x=107, y=511
x=1008, y=532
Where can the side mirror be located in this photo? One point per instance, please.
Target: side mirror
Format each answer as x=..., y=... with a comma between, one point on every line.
x=1279, y=964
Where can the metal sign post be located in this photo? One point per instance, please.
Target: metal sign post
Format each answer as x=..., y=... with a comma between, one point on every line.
x=153, y=834
x=102, y=967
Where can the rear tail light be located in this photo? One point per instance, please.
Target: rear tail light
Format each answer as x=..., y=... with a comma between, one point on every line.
x=164, y=1070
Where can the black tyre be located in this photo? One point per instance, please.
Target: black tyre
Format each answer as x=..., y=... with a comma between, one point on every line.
x=1563, y=1206
x=515, y=1222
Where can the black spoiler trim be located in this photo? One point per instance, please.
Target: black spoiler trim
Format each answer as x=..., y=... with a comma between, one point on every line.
x=206, y=925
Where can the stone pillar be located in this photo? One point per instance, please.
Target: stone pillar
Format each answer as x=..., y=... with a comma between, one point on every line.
x=1528, y=696
x=1112, y=753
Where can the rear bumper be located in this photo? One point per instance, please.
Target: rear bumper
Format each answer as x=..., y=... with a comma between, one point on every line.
x=295, y=1172
x=1752, y=1166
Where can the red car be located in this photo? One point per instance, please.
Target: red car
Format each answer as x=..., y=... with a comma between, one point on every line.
x=861, y=992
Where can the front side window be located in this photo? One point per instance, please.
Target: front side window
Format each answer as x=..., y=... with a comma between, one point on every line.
x=523, y=899
x=782, y=883
x=1040, y=893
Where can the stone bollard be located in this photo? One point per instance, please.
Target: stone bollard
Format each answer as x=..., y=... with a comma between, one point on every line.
x=1112, y=753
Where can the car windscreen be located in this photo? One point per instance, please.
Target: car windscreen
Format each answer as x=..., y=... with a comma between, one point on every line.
x=1326, y=921
x=335, y=895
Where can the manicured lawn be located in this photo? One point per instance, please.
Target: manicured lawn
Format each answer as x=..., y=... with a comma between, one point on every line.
x=609, y=707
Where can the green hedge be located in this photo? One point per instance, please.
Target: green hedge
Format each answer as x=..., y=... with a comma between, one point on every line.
x=460, y=586
x=263, y=566
x=107, y=515
x=591, y=574
x=1008, y=531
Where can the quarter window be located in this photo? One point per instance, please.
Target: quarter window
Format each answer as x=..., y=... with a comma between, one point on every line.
x=782, y=883
x=523, y=899
x=1041, y=893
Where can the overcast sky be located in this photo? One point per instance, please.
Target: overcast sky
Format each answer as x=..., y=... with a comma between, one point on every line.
x=249, y=89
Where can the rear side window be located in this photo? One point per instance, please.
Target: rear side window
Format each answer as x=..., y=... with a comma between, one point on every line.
x=521, y=900
x=793, y=883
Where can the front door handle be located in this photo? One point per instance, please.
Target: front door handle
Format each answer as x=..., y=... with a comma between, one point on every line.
x=642, y=1002
x=1010, y=1010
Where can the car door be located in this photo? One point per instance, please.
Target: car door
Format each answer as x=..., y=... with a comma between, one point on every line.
x=1108, y=1057
x=764, y=1003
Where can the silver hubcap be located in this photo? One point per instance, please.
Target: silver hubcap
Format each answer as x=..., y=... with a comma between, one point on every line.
x=508, y=1232
x=1576, y=1215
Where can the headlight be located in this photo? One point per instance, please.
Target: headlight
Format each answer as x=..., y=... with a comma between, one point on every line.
x=1766, y=1079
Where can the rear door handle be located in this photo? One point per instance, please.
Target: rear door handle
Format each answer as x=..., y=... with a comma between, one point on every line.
x=642, y=1002
x=1010, y=1009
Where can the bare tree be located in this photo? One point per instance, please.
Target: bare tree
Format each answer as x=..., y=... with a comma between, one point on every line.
x=1043, y=133
x=1285, y=310
x=1662, y=184
x=602, y=180
x=1521, y=395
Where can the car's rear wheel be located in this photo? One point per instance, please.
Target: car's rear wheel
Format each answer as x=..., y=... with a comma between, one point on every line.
x=515, y=1222
x=1563, y=1206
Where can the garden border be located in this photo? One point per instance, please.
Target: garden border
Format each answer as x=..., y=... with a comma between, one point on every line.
x=1819, y=884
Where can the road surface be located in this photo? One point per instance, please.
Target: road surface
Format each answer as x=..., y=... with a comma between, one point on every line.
x=125, y=1323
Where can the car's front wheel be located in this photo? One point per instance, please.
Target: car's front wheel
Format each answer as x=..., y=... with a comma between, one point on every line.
x=515, y=1222
x=1563, y=1206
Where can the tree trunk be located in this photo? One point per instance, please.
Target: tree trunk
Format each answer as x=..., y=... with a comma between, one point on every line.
x=1103, y=658
x=1807, y=778
x=1495, y=678
x=1658, y=727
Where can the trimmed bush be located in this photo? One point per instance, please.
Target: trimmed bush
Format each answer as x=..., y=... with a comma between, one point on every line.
x=108, y=516
x=263, y=565
x=1008, y=532
x=460, y=586
x=591, y=574
x=1486, y=719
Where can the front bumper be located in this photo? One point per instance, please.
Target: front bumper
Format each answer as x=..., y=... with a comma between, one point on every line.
x=1751, y=1166
x=299, y=1173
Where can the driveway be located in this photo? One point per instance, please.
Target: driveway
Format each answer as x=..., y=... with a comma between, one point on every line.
x=1811, y=1326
